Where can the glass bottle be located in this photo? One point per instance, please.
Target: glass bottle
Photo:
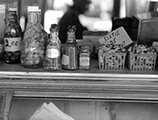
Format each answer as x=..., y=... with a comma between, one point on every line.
x=33, y=44
x=70, y=51
x=84, y=57
x=12, y=37
x=53, y=53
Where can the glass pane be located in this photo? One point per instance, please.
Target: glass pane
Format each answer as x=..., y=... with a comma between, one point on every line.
x=97, y=18
x=24, y=108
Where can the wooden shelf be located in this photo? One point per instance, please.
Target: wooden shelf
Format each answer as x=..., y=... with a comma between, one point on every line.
x=89, y=84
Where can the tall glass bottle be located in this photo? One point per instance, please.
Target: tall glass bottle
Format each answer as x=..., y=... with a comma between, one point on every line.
x=53, y=53
x=12, y=37
x=71, y=51
x=33, y=44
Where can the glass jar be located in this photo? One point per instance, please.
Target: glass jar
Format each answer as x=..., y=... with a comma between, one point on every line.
x=53, y=54
x=84, y=57
x=70, y=50
x=33, y=44
x=12, y=37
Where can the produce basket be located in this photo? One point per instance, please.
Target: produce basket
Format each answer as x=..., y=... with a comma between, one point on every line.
x=142, y=61
x=111, y=61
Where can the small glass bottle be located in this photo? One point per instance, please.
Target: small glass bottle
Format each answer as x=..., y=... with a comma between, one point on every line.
x=12, y=37
x=70, y=51
x=84, y=57
x=53, y=54
x=33, y=44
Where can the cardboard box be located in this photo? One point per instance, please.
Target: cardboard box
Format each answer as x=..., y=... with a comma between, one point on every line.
x=145, y=28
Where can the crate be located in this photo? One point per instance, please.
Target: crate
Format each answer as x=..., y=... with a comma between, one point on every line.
x=111, y=61
x=142, y=62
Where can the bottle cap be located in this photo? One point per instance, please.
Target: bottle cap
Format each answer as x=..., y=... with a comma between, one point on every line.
x=85, y=48
x=33, y=8
x=54, y=27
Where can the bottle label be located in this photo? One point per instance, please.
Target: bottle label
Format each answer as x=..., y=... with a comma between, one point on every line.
x=84, y=61
x=52, y=53
x=12, y=44
x=65, y=60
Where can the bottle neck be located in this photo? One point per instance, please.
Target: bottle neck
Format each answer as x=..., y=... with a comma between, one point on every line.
x=12, y=16
x=71, y=37
x=34, y=17
x=54, y=36
x=15, y=20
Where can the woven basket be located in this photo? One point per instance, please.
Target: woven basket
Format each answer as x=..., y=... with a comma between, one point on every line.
x=111, y=61
x=141, y=62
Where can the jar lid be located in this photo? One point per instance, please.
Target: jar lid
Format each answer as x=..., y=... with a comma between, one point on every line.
x=85, y=48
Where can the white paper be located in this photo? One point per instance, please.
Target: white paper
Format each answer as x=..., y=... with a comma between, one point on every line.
x=56, y=110
x=44, y=114
x=49, y=112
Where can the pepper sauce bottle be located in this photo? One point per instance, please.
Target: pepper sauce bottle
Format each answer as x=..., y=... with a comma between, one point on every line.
x=12, y=37
x=53, y=53
x=70, y=52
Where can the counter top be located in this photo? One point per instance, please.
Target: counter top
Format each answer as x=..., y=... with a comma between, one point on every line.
x=93, y=84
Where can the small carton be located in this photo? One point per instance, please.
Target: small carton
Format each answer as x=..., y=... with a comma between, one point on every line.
x=144, y=27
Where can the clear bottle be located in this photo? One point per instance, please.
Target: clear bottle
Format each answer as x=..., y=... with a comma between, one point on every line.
x=12, y=37
x=84, y=57
x=53, y=53
x=33, y=44
x=70, y=53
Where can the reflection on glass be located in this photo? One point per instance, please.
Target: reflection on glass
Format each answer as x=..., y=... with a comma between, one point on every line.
x=97, y=18
x=101, y=11
x=139, y=6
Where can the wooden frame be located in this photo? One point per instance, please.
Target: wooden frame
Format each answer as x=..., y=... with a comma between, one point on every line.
x=94, y=84
x=5, y=99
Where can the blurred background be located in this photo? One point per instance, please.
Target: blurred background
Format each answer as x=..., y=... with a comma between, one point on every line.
x=100, y=14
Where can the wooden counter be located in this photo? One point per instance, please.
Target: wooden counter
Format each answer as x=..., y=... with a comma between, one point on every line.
x=93, y=84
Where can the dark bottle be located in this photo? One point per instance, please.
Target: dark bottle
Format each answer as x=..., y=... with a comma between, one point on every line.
x=12, y=38
x=53, y=53
x=70, y=52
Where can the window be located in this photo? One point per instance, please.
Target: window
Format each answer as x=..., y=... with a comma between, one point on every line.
x=97, y=18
